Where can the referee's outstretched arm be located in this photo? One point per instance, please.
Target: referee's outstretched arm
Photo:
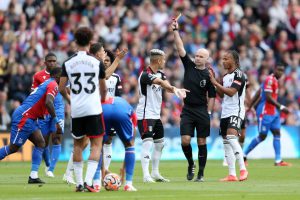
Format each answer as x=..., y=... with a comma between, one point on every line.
x=178, y=41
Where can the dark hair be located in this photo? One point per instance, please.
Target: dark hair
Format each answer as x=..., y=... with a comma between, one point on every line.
x=94, y=48
x=110, y=54
x=83, y=36
x=55, y=71
x=235, y=56
x=50, y=54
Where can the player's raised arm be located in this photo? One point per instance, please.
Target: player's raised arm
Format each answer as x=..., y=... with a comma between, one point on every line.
x=178, y=41
x=102, y=84
x=112, y=68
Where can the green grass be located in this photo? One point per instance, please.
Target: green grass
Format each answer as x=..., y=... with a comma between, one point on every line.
x=265, y=182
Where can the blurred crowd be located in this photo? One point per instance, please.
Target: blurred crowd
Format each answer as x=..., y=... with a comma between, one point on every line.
x=263, y=32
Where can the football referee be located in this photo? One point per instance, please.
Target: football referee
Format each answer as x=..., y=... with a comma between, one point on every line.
x=197, y=105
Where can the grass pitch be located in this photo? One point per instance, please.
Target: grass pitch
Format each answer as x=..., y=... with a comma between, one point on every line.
x=265, y=182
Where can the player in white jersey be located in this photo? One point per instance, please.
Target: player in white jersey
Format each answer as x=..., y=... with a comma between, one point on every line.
x=151, y=81
x=233, y=112
x=114, y=88
x=87, y=77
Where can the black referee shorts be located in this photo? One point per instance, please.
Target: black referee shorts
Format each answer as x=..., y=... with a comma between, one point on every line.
x=195, y=118
x=91, y=126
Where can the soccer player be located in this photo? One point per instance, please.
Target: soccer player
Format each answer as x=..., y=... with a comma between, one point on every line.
x=268, y=115
x=87, y=77
x=24, y=120
x=114, y=88
x=118, y=114
x=151, y=81
x=97, y=50
x=242, y=133
x=47, y=127
x=233, y=112
x=197, y=105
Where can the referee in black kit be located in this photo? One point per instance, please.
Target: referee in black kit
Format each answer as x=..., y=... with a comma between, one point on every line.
x=197, y=107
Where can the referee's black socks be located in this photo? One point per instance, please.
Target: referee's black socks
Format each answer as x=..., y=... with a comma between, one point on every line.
x=187, y=150
x=202, y=157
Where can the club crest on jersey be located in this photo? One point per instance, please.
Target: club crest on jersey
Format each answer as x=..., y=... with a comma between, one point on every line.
x=203, y=83
x=20, y=141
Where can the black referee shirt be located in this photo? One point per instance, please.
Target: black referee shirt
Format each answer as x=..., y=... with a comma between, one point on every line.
x=198, y=82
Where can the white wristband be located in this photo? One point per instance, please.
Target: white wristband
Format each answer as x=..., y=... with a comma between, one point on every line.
x=282, y=107
x=209, y=112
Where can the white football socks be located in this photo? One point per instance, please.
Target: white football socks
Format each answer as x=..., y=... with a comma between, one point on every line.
x=70, y=167
x=90, y=171
x=156, y=155
x=238, y=152
x=145, y=155
x=107, y=153
x=78, y=170
x=230, y=158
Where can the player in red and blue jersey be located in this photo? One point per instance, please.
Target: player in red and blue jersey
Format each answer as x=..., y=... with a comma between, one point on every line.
x=268, y=115
x=47, y=127
x=119, y=114
x=24, y=120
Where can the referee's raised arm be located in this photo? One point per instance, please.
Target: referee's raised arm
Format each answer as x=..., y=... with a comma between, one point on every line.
x=178, y=41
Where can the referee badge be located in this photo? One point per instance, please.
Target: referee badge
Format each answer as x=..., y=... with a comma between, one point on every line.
x=202, y=83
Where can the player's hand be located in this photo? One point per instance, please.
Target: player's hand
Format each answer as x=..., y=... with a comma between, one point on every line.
x=122, y=53
x=181, y=93
x=174, y=24
x=58, y=129
x=284, y=109
x=210, y=68
x=212, y=77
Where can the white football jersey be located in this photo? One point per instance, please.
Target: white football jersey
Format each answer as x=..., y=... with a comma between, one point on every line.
x=150, y=100
x=113, y=85
x=235, y=105
x=84, y=72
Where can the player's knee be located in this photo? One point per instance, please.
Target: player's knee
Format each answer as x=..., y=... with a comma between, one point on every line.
x=13, y=148
x=41, y=144
x=185, y=140
x=262, y=137
x=56, y=140
x=201, y=141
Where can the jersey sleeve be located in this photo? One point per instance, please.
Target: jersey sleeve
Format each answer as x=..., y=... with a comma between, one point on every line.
x=147, y=78
x=187, y=62
x=163, y=76
x=63, y=71
x=269, y=84
x=35, y=82
x=119, y=87
x=102, y=71
x=52, y=89
x=238, y=80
